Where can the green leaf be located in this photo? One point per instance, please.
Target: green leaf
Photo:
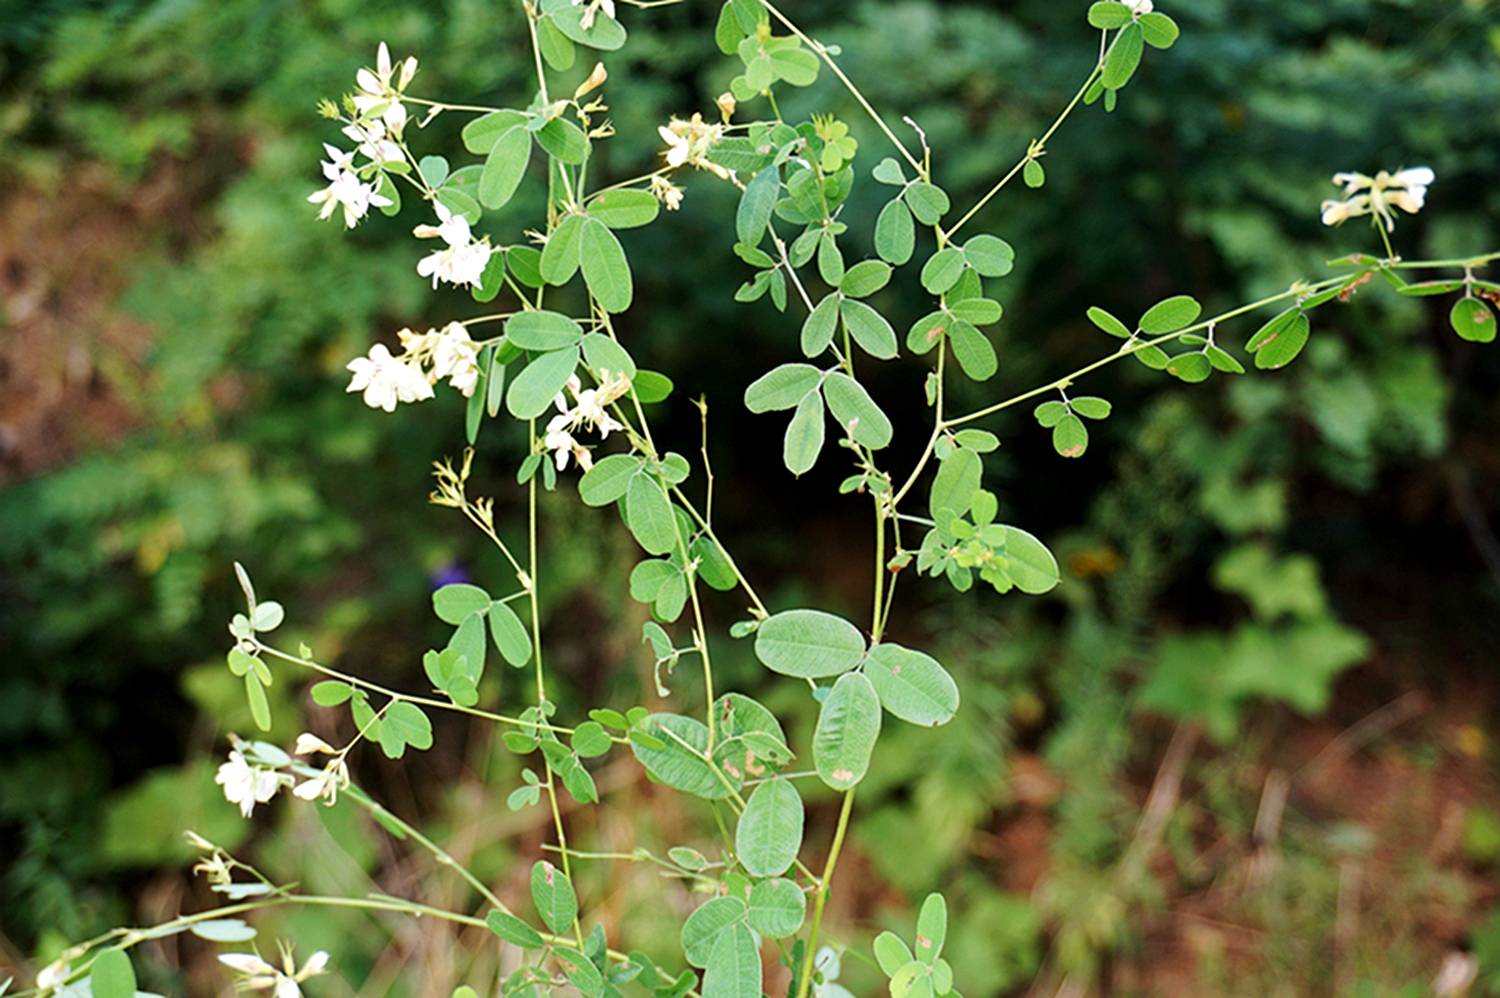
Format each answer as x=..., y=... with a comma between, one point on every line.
x=678, y=765
x=510, y=635
x=1191, y=367
x=927, y=201
x=891, y=952
x=603, y=354
x=260, y=707
x=1028, y=562
x=1070, y=437
x=1107, y=15
x=624, y=208
x=830, y=260
x=1170, y=315
x=525, y=262
x=459, y=203
x=590, y=740
x=1092, y=407
x=481, y=134
x=1034, y=173
x=943, y=269
x=973, y=351
x=504, y=167
x=888, y=171
x=1124, y=56
x=563, y=140
x=1159, y=30
x=542, y=331
x=603, y=33
x=1472, y=320
x=848, y=726
x=608, y=479
x=1103, y=319
x=869, y=329
x=1282, y=345
x=912, y=685
x=990, y=256
x=648, y=513
x=581, y=973
x=976, y=311
x=709, y=922
x=865, y=278
x=560, y=257
x=932, y=928
x=818, y=329
x=895, y=233
x=783, y=387
x=513, y=930
x=733, y=969
x=777, y=908
x=331, y=693
x=1049, y=414
x=556, y=47
x=404, y=724
x=605, y=268
x=956, y=483
x=804, y=435
x=769, y=834
x=808, y=644
x=552, y=893
x=756, y=204
x=532, y=391
x=468, y=641
x=457, y=602
x=112, y=975
x=850, y=403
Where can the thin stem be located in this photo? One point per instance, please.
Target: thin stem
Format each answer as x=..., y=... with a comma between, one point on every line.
x=1143, y=344
x=409, y=698
x=822, y=52
x=1031, y=152
x=804, y=985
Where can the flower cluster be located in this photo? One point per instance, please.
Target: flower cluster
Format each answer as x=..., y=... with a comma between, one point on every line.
x=1378, y=195
x=1139, y=7
x=427, y=358
x=378, y=97
x=376, y=134
x=334, y=777
x=283, y=981
x=589, y=411
x=689, y=142
x=345, y=189
x=463, y=259
x=246, y=783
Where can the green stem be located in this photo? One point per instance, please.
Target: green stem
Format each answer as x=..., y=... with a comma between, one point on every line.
x=804, y=984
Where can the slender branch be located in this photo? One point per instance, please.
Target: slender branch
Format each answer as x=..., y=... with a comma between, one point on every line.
x=822, y=51
x=804, y=985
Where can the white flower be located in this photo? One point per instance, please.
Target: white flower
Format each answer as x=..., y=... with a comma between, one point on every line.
x=325, y=785
x=283, y=982
x=373, y=142
x=589, y=409
x=308, y=743
x=52, y=975
x=1139, y=7
x=464, y=259
x=345, y=189
x=667, y=192
x=1378, y=195
x=456, y=357
x=376, y=96
x=248, y=785
x=828, y=965
x=562, y=445
x=594, y=7
x=385, y=380
x=688, y=143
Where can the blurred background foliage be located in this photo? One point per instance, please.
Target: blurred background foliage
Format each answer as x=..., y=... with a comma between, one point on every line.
x=1245, y=749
